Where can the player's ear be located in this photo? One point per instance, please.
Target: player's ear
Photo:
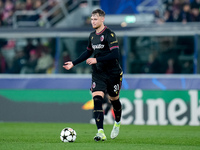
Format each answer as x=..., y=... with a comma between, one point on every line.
x=103, y=18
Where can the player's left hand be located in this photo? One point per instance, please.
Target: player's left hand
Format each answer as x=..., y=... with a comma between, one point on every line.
x=91, y=61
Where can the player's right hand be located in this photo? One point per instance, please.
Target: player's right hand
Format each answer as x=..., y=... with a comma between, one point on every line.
x=68, y=65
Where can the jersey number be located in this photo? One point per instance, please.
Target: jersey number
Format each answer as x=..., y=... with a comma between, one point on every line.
x=116, y=87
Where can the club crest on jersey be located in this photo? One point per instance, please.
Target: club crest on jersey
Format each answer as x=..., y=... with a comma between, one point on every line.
x=102, y=38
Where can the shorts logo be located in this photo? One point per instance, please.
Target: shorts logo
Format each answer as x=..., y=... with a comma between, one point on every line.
x=102, y=38
x=93, y=85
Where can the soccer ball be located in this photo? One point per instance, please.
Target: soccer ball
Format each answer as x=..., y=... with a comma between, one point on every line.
x=68, y=135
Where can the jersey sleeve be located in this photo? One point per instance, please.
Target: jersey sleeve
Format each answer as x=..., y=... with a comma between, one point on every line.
x=86, y=54
x=112, y=41
x=89, y=47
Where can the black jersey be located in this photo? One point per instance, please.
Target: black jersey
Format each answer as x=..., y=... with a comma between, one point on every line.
x=102, y=44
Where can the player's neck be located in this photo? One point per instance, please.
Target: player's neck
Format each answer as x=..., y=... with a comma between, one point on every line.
x=98, y=30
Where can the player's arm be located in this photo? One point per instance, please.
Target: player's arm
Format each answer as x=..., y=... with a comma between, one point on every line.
x=70, y=64
x=86, y=54
x=83, y=57
x=113, y=55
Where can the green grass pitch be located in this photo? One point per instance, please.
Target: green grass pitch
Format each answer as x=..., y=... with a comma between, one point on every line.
x=45, y=136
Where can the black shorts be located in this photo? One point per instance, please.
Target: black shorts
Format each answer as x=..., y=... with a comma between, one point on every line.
x=107, y=83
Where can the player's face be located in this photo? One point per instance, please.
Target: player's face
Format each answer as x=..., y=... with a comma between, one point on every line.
x=96, y=21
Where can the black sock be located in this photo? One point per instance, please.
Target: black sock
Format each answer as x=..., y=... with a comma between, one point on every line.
x=98, y=111
x=117, y=107
x=107, y=108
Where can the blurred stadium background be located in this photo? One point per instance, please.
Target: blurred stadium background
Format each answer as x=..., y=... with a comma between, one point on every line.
x=159, y=45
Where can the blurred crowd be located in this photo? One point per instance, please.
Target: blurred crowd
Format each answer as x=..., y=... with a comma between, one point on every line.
x=9, y=7
x=34, y=57
x=172, y=11
x=179, y=11
x=164, y=55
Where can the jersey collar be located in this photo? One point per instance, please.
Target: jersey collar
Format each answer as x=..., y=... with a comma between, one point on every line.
x=102, y=31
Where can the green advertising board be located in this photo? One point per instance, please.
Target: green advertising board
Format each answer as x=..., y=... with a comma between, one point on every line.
x=150, y=107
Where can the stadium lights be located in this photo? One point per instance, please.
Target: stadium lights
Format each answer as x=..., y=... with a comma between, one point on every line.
x=130, y=19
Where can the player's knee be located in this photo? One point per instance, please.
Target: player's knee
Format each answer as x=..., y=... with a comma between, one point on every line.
x=113, y=98
x=98, y=102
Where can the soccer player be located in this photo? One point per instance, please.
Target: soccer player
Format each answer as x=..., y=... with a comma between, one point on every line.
x=106, y=71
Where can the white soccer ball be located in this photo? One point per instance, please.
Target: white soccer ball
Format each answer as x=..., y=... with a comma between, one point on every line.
x=68, y=135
